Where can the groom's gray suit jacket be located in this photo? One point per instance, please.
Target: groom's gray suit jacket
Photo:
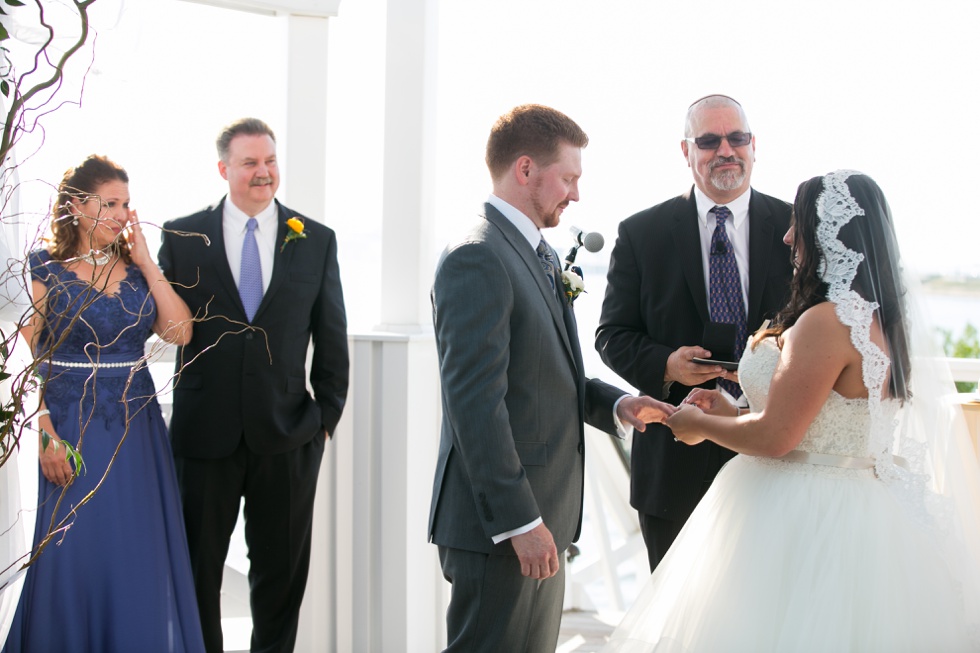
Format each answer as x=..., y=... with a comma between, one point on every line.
x=514, y=395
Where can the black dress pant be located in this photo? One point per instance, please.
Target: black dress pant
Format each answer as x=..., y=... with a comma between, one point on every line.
x=658, y=535
x=279, y=491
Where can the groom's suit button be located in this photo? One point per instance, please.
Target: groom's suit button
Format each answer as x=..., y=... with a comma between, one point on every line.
x=581, y=448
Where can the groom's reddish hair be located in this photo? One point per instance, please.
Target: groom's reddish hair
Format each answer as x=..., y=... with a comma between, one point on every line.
x=533, y=130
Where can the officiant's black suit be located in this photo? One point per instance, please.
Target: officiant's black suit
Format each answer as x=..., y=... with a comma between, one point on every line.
x=242, y=400
x=656, y=302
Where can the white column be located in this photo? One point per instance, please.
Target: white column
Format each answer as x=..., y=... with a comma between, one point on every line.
x=377, y=585
x=305, y=172
x=305, y=165
x=389, y=591
x=410, y=118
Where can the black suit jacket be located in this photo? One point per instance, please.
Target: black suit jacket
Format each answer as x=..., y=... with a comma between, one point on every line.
x=656, y=301
x=252, y=381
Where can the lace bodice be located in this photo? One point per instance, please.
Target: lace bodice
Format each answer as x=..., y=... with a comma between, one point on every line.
x=84, y=326
x=842, y=427
x=110, y=325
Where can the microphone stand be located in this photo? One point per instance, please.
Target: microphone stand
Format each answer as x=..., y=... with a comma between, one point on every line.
x=570, y=257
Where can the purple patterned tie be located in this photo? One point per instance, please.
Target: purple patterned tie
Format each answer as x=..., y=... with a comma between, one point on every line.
x=250, y=278
x=725, y=291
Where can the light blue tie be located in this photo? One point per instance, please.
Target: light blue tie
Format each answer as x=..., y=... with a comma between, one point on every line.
x=250, y=279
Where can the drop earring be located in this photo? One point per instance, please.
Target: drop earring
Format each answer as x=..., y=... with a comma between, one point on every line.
x=74, y=222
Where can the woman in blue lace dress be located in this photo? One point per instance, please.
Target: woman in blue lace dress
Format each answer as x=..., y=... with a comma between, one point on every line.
x=115, y=577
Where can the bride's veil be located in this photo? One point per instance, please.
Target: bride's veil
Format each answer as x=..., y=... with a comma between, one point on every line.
x=919, y=438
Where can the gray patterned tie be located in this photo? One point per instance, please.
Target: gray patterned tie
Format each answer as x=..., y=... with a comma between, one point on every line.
x=250, y=278
x=547, y=261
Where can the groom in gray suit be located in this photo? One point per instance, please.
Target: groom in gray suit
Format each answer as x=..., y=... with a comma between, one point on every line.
x=507, y=496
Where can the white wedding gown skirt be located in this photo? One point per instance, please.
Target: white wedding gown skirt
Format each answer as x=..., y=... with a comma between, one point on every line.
x=785, y=557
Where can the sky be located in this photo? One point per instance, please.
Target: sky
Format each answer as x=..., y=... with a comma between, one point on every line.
x=881, y=86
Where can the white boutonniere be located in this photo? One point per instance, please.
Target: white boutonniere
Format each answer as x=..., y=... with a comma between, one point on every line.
x=574, y=285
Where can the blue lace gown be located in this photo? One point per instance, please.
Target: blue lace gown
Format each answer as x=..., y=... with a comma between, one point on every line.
x=119, y=581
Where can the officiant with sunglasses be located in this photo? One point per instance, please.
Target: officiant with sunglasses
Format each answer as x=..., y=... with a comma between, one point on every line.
x=689, y=280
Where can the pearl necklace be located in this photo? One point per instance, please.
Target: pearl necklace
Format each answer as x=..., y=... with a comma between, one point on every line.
x=95, y=257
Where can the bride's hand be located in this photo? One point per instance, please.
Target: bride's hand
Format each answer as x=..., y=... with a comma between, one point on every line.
x=711, y=402
x=684, y=424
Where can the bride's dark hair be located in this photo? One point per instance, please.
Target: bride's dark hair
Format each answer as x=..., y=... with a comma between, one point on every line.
x=878, y=278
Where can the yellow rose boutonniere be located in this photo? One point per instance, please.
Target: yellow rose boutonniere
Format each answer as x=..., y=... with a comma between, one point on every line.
x=296, y=227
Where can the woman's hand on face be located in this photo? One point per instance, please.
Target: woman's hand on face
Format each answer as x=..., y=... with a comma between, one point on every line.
x=137, y=243
x=711, y=402
x=684, y=423
x=54, y=466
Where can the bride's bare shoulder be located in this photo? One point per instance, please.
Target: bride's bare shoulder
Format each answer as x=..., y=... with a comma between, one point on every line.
x=820, y=338
x=821, y=322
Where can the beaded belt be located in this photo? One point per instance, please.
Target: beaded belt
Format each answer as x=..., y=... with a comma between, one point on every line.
x=91, y=364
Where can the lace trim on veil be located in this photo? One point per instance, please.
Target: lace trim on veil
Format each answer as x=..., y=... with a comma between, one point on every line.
x=838, y=268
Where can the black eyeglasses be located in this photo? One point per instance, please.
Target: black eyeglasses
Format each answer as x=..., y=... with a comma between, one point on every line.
x=713, y=141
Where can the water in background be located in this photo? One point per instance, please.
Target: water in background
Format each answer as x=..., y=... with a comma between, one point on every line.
x=953, y=311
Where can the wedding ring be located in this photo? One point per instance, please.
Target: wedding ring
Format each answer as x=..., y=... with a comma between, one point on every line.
x=676, y=440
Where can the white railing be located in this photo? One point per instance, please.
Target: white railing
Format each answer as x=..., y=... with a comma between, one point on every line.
x=964, y=369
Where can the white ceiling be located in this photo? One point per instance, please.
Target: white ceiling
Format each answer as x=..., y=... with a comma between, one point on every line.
x=322, y=8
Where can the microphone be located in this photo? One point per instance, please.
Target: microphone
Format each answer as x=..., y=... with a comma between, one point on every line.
x=718, y=249
x=591, y=240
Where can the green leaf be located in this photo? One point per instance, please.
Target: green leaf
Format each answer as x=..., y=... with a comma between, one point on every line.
x=3, y=33
x=14, y=3
x=74, y=456
x=5, y=89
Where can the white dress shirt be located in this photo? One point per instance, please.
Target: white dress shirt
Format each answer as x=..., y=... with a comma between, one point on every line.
x=233, y=228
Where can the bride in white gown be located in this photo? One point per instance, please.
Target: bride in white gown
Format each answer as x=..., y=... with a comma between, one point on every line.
x=851, y=521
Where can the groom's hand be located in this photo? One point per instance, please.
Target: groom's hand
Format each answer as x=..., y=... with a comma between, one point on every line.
x=640, y=411
x=537, y=553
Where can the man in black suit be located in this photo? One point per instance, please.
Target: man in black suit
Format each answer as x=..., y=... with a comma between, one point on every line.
x=244, y=424
x=657, y=304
